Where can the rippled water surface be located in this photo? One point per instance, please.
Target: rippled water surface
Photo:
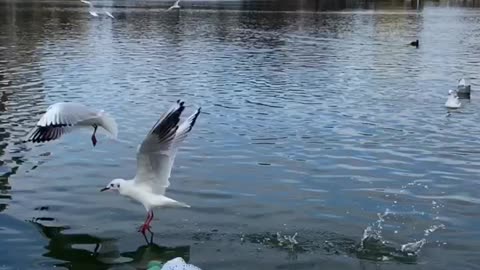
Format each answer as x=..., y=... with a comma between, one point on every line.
x=323, y=143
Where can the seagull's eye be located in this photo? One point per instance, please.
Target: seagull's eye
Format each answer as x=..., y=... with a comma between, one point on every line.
x=118, y=185
x=111, y=185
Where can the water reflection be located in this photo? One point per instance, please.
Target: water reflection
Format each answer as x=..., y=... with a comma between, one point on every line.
x=84, y=251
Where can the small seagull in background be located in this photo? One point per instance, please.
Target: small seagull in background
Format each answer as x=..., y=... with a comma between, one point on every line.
x=415, y=43
x=155, y=157
x=175, y=5
x=93, y=11
x=452, y=101
x=108, y=14
x=64, y=117
x=92, y=8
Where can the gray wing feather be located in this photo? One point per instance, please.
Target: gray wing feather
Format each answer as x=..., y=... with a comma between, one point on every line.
x=156, y=154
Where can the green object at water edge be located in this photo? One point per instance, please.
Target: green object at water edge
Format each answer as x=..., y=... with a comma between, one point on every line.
x=154, y=265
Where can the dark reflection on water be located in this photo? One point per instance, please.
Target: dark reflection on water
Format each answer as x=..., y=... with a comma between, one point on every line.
x=313, y=123
x=83, y=251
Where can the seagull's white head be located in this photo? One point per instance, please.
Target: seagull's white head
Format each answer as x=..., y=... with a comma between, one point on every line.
x=115, y=184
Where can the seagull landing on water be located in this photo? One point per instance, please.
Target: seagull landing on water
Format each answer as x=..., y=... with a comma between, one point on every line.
x=452, y=101
x=64, y=117
x=155, y=156
x=175, y=5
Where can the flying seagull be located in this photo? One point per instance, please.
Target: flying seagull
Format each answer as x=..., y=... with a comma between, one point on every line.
x=93, y=11
x=92, y=8
x=175, y=5
x=64, y=117
x=108, y=14
x=155, y=156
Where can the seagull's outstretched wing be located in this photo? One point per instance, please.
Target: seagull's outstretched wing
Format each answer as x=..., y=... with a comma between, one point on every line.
x=156, y=154
x=64, y=117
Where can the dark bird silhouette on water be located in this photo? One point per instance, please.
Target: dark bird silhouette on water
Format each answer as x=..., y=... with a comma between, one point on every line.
x=415, y=43
x=4, y=97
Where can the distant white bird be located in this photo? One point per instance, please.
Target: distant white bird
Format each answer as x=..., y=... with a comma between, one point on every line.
x=155, y=156
x=452, y=101
x=93, y=11
x=463, y=90
x=108, y=14
x=175, y=5
x=64, y=117
x=92, y=8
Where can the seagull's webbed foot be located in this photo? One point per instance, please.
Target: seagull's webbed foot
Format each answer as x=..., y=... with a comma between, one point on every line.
x=151, y=235
x=146, y=227
x=94, y=139
x=143, y=229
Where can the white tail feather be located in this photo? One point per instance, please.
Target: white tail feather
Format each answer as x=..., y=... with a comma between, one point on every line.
x=109, y=124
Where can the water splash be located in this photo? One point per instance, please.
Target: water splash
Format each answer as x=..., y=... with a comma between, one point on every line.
x=412, y=249
x=288, y=240
x=372, y=235
x=278, y=240
x=433, y=228
x=374, y=247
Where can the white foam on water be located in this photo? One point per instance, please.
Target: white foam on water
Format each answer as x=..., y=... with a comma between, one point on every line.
x=287, y=240
x=433, y=228
x=413, y=248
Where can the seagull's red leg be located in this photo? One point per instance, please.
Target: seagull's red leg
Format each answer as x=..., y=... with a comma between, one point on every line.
x=150, y=220
x=149, y=227
x=145, y=225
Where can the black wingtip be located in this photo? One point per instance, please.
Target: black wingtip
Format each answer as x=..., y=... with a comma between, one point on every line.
x=195, y=118
x=43, y=134
x=166, y=127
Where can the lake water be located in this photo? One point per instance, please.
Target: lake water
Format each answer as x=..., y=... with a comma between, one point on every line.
x=324, y=125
